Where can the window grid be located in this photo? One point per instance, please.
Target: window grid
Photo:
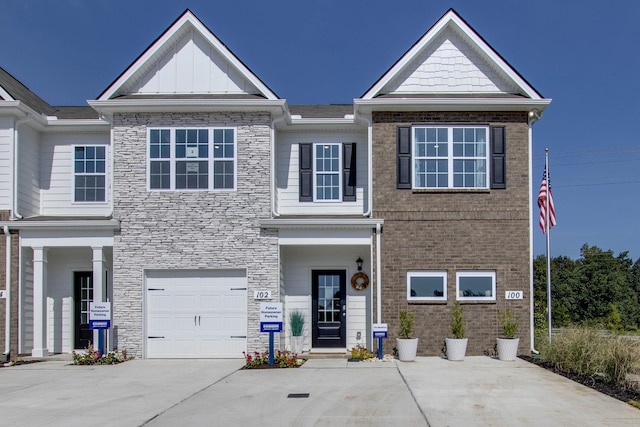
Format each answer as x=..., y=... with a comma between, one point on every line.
x=327, y=160
x=450, y=157
x=329, y=298
x=192, y=159
x=90, y=164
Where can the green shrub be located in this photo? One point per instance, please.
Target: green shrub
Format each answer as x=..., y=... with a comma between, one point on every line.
x=296, y=321
x=360, y=352
x=406, y=324
x=458, y=323
x=509, y=323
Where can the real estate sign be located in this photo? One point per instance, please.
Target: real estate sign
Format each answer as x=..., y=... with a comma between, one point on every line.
x=99, y=315
x=271, y=317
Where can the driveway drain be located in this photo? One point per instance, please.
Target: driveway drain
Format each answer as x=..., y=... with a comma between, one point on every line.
x=297, y=395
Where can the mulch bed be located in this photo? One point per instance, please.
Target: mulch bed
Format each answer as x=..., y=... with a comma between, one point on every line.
x=598, y=384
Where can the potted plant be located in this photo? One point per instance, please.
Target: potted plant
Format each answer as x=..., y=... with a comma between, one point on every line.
x=296, y=322
x=457, y=346
x=508, y=345
x=407, y=346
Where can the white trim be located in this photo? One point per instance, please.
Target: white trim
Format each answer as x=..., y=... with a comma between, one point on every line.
x=106, y=174
x=450, y=104
x=311, y=223
x=427, y=273
x=72, y=224
x=315, y=172
x=187, y=19
x=451, y=18
x=451, y=157
x=210, y=159
x=491, y=274
x=5, y=95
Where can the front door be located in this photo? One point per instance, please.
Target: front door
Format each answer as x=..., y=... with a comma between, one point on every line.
x=329, y=315
x=82, y=296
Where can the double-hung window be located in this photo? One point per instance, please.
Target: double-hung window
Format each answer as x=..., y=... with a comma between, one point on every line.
x=192, y=159
x=476, y=285
x=327, y=172
x=427, y=285
x=90, y=176
x=450, y=157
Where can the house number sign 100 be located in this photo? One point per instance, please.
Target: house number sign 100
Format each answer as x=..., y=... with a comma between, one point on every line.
x=514, y=295
x=261, y=294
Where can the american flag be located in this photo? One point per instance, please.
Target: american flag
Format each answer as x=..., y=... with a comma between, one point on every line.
x=545, y=188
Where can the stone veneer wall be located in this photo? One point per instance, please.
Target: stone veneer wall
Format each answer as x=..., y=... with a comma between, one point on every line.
x=190, y=229
x=454, y=231
x=4, y=216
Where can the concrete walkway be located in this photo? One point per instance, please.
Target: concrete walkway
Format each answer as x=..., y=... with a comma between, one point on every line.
x=429, y=392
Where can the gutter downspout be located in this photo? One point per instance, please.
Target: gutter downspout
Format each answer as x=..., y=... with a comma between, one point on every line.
x=14, y=211
x=369, y=164
x=112, y=165
x=533, y=117
x=378, y=275
x=7, y=334
x=274, y=193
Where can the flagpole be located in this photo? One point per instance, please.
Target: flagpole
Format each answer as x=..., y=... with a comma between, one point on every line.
x=547, y=233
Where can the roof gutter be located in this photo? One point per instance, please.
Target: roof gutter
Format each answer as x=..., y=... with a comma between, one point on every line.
x=451, y=104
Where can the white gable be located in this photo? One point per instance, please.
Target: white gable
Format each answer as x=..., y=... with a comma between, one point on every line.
x=192, y=65
x=449, y=65
x=451, y=58
x=187, y=59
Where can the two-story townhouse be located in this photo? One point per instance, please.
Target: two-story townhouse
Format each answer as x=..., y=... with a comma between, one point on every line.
x=189, y=193
x=55, y=202
x=452, y=146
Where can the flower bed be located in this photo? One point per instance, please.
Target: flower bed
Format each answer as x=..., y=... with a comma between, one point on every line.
x=91, y=356
x=281, y=359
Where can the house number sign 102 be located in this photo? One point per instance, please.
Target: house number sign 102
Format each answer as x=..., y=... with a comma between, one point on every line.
x=514, y=295
x=261, y=294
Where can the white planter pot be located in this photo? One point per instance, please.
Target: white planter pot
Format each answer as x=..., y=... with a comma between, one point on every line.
x=456, y=348
x=296, y=344
x=508, y=348
x=407, y=349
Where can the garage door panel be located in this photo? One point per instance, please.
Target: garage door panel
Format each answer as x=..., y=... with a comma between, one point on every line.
x=196, y=314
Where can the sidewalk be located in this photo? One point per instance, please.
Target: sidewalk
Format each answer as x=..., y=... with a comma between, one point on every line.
x=430, y=391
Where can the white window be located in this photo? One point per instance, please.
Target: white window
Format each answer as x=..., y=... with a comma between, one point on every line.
x=427, y=286
x=450, y=157
x=192, y=159
x=90, y=173
x=327, y=161
x=476, y=285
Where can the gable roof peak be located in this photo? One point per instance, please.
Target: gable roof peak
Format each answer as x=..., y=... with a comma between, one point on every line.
x=451, y=57
x=219, y=70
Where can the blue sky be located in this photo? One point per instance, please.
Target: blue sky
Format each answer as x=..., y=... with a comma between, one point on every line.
x=582, y=54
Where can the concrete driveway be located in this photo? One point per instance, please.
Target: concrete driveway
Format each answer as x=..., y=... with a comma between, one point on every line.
x=431, y=391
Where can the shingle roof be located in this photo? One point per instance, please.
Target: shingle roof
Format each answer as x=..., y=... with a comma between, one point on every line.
x=20, y=92
x=75, y=113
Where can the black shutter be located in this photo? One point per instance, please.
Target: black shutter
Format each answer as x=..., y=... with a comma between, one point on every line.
x=498, y=158
x=404, y=157
x=349, y=172
x=306, y=172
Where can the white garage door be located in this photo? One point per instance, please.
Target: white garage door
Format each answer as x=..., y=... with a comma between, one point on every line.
x=196, y=314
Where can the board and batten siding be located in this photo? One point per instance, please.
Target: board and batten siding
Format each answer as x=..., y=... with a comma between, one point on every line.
x=288, y=179
x=189, y=230
x=192, y=65
x=61, y=264
x=56, y=175
x=28, y=172
x=6, y=162
x=300, y=261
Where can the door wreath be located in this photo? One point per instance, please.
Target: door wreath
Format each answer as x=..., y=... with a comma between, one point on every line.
x=359, y=281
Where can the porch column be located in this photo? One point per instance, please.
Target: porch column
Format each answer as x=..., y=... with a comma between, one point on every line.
x=98, y=284
x=40, y=303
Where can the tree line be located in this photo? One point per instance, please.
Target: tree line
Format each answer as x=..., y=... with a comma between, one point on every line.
x=598, y=289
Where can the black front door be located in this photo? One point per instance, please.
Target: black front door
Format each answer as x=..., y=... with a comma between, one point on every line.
x=329, y=308
x=82, y=296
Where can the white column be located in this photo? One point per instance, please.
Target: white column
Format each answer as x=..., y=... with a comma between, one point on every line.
x=39, y=303
x=98, y=283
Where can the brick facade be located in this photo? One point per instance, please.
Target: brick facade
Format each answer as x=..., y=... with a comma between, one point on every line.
x=4, y=216
x=190, y=229
x=454, y=231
